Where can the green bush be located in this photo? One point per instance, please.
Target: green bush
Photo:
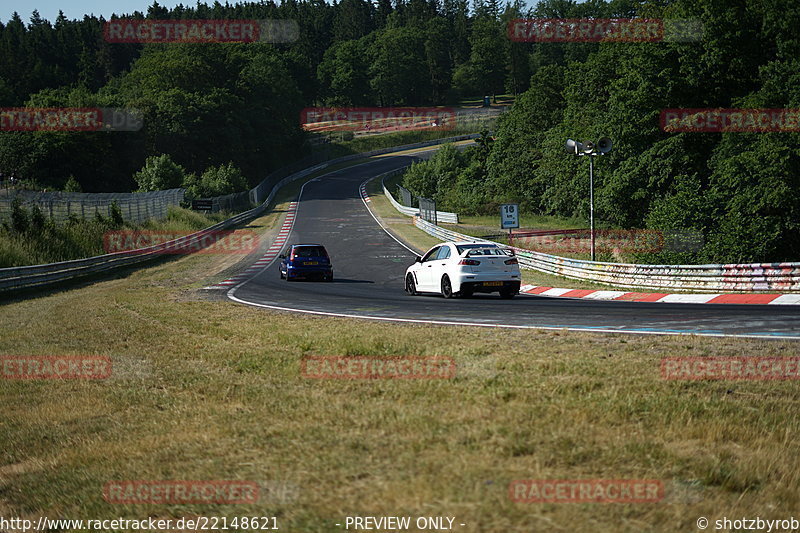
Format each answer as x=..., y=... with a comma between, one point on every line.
x=115, y=214
x=19, y=216
x=455, y=179
x=160, y=173
x=215, y=181
x=37, y=219
x=72, y=185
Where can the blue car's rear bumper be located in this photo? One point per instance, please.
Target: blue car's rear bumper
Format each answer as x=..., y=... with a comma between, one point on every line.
x=309, y=272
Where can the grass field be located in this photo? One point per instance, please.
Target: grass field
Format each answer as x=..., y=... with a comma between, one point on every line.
x=204, y=389
x=211, y=390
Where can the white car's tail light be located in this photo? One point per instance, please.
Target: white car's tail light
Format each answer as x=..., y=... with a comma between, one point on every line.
x=469, y=262
x=511, y=261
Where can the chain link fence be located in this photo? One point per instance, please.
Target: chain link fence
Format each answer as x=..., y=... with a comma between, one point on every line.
x=136, y=207
x=406, y=198
x=427, y=209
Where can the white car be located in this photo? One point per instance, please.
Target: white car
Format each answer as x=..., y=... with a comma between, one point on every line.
x=464, y=268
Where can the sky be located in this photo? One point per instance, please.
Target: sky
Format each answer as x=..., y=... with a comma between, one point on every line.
x=75, y=9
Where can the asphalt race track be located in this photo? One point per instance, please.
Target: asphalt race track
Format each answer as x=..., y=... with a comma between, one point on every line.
x=369, y=266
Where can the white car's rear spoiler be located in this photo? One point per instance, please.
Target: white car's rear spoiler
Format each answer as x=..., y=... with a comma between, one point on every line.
x=506, y=251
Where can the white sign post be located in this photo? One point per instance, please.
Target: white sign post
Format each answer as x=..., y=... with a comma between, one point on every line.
x=509, y=218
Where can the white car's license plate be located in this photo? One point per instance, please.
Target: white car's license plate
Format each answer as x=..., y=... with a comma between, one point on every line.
x=492, y=283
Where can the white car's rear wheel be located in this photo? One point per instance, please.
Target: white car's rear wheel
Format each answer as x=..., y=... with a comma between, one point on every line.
x=411, y=287
x=447, y=287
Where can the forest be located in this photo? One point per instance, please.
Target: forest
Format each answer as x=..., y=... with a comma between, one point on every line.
x=205, y=106
x=226, y=114
x=740, y=190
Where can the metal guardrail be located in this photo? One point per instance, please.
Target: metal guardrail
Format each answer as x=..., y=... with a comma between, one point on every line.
x=442, y=216
x=445, y=234
x=783, y=277
x=15, y=278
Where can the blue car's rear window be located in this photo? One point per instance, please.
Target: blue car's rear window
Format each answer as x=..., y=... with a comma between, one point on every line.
x=310, y=251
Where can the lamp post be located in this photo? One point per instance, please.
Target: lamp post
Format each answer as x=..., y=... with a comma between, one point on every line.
x=602, y=147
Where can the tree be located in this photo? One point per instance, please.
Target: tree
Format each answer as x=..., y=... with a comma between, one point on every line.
x=72, y=185
x=438, y=39
x=160, y=173
x=353, y=20
x=382, y=11
x=344, y=74
x=519, y=72
x=206, y=105
x=518, y=151
x=755, y=189
x=399, y=72
x=216, y=181
x=485, y=72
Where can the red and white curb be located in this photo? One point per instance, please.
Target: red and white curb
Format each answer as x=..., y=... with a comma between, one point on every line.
x=589, y=294
x=268, y=256
x=363, y=189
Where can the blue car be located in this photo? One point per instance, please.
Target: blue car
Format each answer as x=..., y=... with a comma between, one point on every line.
x=306, y=261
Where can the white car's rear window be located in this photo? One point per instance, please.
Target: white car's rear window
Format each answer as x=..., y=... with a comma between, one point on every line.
x=474, y=250
x=477, y=246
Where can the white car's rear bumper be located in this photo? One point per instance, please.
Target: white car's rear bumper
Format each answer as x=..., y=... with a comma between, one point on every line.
x=487, y=282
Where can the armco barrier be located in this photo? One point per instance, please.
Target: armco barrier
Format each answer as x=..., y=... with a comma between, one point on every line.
x=38, y=275
x=783, y=277
x=442, y=216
